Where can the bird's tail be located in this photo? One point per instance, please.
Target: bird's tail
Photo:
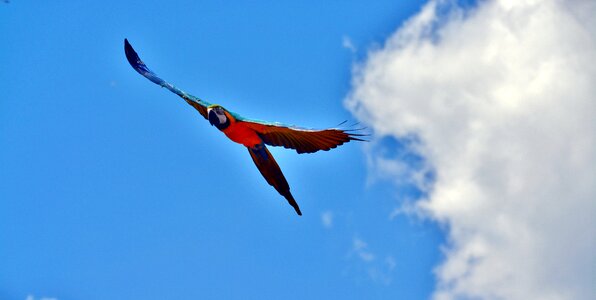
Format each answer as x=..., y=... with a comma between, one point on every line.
x=272, y=173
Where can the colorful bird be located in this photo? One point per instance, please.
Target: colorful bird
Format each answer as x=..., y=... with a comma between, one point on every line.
x=255, y=134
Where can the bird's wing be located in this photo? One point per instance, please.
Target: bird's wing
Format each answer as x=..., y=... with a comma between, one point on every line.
x=137, y=64
x=272, y=173
x=300, y=139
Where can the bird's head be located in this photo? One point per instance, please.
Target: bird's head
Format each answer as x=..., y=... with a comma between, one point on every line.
x=218, y=117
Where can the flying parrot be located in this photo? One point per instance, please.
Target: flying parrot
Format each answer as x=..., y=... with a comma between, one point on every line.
x=253, y=134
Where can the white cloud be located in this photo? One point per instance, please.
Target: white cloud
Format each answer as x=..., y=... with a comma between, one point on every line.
x=377, y=270
x=327, y=219
x=390, y=262
x=31, y=297
x=502, y=100
x=347, y=43
x=361, y=249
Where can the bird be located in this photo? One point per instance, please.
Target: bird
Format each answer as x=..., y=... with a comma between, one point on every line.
x=255, y=135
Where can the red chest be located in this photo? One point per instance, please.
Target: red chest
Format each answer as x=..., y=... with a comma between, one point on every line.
x=241, y=134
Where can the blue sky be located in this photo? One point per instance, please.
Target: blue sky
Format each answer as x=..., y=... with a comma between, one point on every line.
x=112, y=188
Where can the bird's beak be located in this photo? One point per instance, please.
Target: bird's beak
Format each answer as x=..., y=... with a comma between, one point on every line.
x=211, y=116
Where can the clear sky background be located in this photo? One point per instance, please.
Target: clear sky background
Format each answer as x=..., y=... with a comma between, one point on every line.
x=478, y=181
x=112, y=188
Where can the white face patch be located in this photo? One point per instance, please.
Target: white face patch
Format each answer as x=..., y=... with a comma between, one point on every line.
x=221, y=117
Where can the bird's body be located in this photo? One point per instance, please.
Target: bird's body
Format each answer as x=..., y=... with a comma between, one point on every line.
x=253, y=134
x=242, y=134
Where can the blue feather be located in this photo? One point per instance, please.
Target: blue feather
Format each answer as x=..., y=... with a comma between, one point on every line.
x=139, y=66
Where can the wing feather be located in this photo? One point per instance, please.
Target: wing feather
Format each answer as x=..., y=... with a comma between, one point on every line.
x=299, y=139
x=139, y=66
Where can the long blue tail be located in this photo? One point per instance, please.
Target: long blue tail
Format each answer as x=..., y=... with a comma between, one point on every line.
x=272, y=173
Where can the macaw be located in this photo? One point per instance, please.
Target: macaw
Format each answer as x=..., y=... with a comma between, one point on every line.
x=255, y=134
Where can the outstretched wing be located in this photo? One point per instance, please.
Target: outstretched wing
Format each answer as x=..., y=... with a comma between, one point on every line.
x=137, y=64
x=300, y=139
x=272, y=173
